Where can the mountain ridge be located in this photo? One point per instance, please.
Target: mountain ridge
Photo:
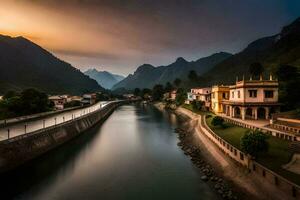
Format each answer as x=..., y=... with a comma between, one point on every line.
x=146, y=75
x=24, y=64
x=104, y=78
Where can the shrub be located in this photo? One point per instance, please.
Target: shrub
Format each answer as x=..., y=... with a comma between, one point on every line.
x=254, y=142
x=217, y=121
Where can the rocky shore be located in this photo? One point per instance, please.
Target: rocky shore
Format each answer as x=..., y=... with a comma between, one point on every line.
x=191, y=149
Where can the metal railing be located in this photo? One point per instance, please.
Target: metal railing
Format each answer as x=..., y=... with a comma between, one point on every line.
x=18, y=129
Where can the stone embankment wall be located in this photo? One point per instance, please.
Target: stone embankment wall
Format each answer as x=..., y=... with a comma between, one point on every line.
x=291, y=189
x=18, y=150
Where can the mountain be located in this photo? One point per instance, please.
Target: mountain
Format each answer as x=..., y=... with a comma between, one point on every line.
x=146, y=76
x=24, y=64
x=282, y=48
x=104, y=78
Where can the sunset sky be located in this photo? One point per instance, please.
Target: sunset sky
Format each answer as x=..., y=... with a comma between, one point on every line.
x=119, y=35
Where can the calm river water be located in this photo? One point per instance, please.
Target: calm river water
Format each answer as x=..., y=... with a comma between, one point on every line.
x=132, y=155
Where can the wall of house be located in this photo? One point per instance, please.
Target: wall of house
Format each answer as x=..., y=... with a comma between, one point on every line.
x=245, y=97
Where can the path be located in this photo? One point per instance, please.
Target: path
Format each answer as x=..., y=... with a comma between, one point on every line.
x=47, y=121
x=238, y=175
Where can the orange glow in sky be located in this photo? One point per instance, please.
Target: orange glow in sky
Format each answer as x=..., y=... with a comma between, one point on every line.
x=119, y=35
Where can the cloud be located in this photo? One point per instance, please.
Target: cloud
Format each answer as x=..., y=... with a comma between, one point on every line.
x=86, y=54
x=121, y=33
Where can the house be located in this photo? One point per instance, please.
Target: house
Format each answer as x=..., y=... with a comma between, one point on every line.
x=128, y=96
x=251, y=99
x=89, y=98
x=59, y=101
x=173, y=95
x=76, y=98
x=219, y=93
x=201, y=94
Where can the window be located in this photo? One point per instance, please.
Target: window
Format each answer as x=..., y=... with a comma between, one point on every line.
x=269, y=93
x=213, y=95
x=253, y=93
x=232, y=94
x=239, y=94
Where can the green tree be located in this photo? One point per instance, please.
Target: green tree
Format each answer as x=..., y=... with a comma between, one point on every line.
x=157, y=92
x=254, y=142
x=217, y=121
x=34, y=101
x=137, y=92
x=180, y=96
x=30, y=101
x=177, y=82
x=256, y=69
x=10, y=94
x=146, y=92
x=197, y=105
x=169, y=87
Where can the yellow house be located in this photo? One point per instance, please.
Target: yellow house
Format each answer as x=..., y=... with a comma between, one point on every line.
x=218, y=94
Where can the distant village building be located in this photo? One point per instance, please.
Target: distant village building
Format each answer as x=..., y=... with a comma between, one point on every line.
x=218, y=95
x=173, y=94
x=76, y=98
x=1, y=97
x=89, y=99
x=200, y=94
x=59, y=101
x=251, y=99
x=170, y=95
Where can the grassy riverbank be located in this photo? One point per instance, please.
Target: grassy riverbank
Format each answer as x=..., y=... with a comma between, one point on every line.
x=277, y=155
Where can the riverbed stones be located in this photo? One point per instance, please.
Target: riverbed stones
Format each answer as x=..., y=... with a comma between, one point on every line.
x=189, y=149
x=204, y=178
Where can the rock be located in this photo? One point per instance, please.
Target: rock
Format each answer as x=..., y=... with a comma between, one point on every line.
x=217, y=186
x=204, y=178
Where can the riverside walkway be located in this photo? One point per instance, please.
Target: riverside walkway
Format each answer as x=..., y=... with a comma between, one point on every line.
x=25, y=127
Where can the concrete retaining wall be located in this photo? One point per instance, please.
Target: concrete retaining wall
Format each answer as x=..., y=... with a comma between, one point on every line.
x=291, y=189
x=20, y=149
x=227, y=148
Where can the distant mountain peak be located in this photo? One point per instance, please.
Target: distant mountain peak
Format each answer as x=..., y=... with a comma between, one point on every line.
x=181, y=60
x=144, y=67
x=24, y=64
x=146, y=76
x=104, y=78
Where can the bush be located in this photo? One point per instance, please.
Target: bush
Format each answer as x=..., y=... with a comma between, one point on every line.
x=197, y=105
x=254, y=142
x=217, y=121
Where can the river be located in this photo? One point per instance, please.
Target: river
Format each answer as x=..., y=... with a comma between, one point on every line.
x=132, y=155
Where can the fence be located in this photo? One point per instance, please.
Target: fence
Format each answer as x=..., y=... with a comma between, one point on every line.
x=11, y=131
x=224, y=146
x=273, y=132
x=292, y=189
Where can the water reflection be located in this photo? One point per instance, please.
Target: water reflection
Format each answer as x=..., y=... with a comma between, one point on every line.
x=133, y=155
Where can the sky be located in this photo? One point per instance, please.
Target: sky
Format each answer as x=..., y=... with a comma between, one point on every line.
x=120, y=35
